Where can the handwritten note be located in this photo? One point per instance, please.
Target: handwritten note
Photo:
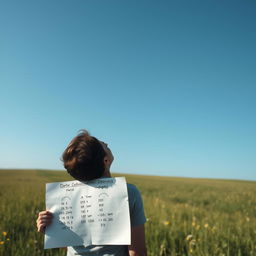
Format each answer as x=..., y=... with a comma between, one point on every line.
x=88, y=213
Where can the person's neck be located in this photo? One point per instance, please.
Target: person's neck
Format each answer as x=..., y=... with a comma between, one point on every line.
x=106, y=174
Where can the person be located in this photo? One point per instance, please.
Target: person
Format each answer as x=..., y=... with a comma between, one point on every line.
x=87, y=158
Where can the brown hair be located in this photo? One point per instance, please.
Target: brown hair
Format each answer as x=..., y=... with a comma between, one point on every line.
x=83, y=158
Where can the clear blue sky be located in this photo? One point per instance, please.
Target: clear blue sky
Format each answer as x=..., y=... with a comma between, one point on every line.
x=169, y=85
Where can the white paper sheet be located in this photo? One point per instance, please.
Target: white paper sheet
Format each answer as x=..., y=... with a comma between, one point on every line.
x=88, y=213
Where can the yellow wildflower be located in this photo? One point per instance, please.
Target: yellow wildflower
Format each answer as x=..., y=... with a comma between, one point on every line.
x=1, y=242
x=189, y=237
x=4, y=233
x=193, y=223
x=167, y=223
x=206, y=225
x=8, y=239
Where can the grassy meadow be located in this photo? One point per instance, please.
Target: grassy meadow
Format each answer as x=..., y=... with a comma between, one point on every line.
x=184, y=216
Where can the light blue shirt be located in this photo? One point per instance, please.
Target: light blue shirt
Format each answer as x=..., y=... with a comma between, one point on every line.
x=137, y=218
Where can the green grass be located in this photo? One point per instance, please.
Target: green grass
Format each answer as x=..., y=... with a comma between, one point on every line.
x=185, y=216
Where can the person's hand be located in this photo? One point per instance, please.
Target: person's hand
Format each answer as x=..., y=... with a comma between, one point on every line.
x=44, y=219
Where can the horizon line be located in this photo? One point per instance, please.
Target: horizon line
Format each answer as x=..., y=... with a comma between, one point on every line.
x=137, y=174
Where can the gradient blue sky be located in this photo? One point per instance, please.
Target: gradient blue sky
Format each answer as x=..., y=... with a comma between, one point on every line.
x=169, y=85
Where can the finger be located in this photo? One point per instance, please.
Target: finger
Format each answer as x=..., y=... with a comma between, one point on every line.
x=41, y=228
x=42, y=225
x=44, y=218
x=44, y=222
x=48, y=213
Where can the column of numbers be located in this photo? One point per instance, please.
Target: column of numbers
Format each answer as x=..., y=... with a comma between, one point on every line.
x=66, y=214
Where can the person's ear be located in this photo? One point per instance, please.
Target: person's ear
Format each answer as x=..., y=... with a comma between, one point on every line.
x=105, y=160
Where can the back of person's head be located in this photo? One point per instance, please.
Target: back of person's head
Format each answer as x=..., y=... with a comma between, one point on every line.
x=84, y=157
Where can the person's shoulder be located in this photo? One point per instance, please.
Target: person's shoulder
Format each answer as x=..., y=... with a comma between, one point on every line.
x=132, y=189
x=136, y=206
